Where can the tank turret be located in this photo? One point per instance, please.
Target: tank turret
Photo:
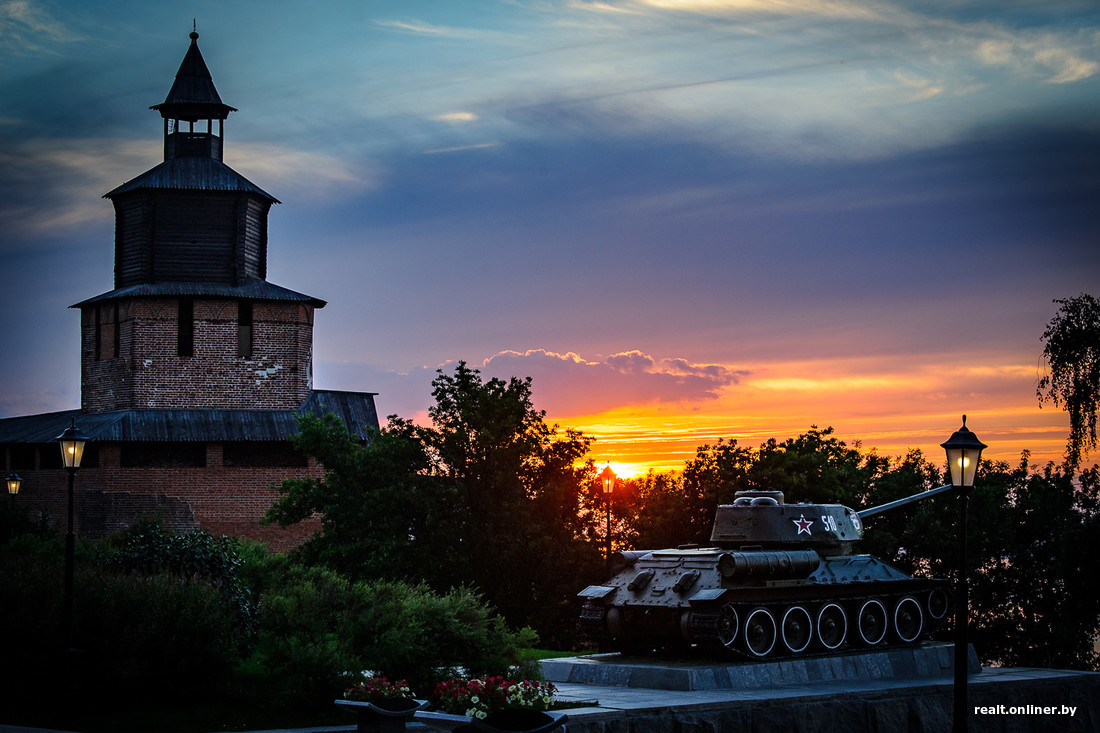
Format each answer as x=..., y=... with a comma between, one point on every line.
x=779, y=580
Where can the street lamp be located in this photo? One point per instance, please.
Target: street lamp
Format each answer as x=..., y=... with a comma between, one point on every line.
x=72, y=450
x=607, y=480
x=964, y=451
x=14, y=483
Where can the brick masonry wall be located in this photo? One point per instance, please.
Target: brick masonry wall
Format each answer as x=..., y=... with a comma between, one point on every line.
x=148, y=373
x=219, y=499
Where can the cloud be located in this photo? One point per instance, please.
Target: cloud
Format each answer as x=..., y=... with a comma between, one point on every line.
x=53, y=186
x=456, y=117
x=309, y=175
x=771, y=7
x=26, y=28
x=421, y=28
x=1047, y=55
x=566, y=384
x=461, y=148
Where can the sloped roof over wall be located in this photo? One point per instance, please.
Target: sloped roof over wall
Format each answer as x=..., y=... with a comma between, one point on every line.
x=252, y=288
x=356, y=409
x=192, y=174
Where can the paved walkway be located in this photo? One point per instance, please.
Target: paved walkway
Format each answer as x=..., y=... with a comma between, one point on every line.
x=612, y=701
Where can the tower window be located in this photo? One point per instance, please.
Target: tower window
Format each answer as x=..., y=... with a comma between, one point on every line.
x=244, y=329
x=185, y=339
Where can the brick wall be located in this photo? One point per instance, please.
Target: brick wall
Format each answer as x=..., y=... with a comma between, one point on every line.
x=149, y=373
x=219, y=499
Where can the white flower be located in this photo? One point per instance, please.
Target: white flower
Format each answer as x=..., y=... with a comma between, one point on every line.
x=481, y=714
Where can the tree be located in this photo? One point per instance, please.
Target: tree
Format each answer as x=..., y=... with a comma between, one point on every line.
x=489, y=496
x=1031, y=535
x=1072, y=352
x=518, y=495
x=815, y=467
x=382, y=514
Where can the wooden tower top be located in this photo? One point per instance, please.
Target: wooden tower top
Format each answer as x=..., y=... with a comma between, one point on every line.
x=191, y=219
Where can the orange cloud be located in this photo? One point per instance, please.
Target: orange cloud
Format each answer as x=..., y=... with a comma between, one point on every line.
x=568, y=384
x=649, y=412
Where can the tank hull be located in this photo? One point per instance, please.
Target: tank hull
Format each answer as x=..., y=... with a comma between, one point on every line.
x=794, y=605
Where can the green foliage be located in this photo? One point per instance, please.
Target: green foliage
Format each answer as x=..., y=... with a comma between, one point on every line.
x=1034, y=547
x=490, y=496
x=319, y=631
x=1072, y=352
x=815, y=467
x=136, y=634
x=518, y=497
x=1032, y=535
x=147, y=548
x=382, y=514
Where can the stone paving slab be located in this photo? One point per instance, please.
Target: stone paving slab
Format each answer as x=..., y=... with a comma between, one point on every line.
x=911, y=703
x=929, y=660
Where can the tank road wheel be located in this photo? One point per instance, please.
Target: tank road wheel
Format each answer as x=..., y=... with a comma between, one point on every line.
x=872, y=622
x=728, y=624
x=908, y=620
x=797, y=628
x=832, y=626
x=760, y=632
x=938, y=603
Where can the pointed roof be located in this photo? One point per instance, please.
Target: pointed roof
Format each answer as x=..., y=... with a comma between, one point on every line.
x=193, y=95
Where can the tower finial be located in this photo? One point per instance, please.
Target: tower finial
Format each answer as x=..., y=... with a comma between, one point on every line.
x=194, y=29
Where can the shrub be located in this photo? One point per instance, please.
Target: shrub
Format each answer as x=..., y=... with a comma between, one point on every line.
x=149, y=635
x=147, y=548
x=319, y=632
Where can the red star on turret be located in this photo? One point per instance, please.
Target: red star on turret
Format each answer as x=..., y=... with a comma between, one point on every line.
x=803, y=524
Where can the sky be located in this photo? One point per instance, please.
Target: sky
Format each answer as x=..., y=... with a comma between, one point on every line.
x=685, y=219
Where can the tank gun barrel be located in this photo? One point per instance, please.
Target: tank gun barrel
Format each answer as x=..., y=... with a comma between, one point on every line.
x=876, y=510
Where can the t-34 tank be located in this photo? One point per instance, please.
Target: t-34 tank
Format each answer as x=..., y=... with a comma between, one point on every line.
x=780, y=580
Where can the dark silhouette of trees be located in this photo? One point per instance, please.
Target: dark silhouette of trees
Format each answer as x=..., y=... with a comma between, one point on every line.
x=1072, y=352
x=1032, y=534
x=488, y=496
x=491, y=497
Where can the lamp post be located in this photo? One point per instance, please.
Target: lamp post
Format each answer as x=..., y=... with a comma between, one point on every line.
x=964, y=450
x=72, y=450
x=14, y=482
x=607, y=480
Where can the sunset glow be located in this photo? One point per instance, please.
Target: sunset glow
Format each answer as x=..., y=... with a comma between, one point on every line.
x=685, y=221
x=888, y=415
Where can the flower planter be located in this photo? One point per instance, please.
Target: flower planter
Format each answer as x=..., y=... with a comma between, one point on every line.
x=517, y=720
x=384, y=716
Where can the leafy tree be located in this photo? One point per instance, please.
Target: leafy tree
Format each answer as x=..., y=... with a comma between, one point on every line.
x=1073, y=353
x=518, y=495
x=1032, y=535
x=382, y=514
x=815, y=467
x=488, y=496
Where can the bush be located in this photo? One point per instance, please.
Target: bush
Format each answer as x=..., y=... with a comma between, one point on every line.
x=147, y=548
x=149, y=635
x=319, y=632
